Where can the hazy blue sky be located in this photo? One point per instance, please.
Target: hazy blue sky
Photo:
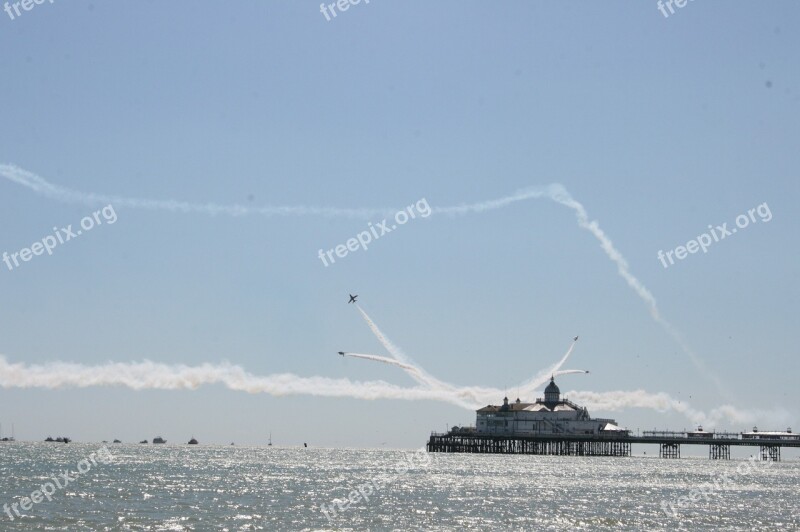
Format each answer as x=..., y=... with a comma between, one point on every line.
x=659, y=126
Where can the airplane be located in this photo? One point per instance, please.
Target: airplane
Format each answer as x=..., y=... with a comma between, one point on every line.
x=341, y=353
x=576, y=338
x=352, y=298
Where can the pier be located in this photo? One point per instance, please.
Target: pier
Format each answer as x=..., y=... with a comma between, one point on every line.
x=669, y=443
x=554, y=425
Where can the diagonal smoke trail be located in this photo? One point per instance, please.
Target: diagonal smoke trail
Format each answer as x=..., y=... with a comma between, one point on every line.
x=395, y=351
x=528, y=387
x=554, y=192
x=421, y=376
x=565, y=357
x=384, y=360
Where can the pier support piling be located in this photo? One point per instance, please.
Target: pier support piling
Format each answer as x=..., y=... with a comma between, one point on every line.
x=771, y=452
x=719, y=452
x=669, y=450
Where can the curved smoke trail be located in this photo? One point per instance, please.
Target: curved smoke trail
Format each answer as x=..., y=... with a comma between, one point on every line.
x=415, y=370
x=555, y=192
x=530, y=386
x=608, y=401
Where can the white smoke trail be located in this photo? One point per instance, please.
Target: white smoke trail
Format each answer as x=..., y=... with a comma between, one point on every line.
x=416, y=370
x=565, y=357
x=395, y=351
x=384, y=360
x=421, y=376
x=41, y=186
x=530, y=386
x=559, y=194
x=662, y=402
x=555, y=192
x=607, y=401
x=569, y=372
x=149, y=375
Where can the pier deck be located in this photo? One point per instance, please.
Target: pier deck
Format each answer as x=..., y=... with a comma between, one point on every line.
x=598, y=445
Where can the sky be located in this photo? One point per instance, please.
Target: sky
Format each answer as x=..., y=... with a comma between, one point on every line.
x=658, y=126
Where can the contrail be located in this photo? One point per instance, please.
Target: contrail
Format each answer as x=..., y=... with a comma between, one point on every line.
x=566, y=356
x=533, y=384
x=555, y=192
x=420, y=375
x=148, y=375
x=43, y=187
x=662, y=402
x=384, y=360
x=569, y=372
x=416, y=370
x=608, y=401
x=395, y=351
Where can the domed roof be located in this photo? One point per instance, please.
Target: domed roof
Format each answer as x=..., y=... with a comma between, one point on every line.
x=552, y=387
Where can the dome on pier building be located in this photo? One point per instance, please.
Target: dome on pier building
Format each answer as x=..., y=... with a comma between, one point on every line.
x=552, y=394
x=551, y=415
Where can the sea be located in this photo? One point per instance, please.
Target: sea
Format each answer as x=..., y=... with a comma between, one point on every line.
x=79, y=486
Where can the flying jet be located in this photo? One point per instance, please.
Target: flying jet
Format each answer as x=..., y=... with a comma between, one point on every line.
x=352, y=298
x=576, y=338
x=341, y=353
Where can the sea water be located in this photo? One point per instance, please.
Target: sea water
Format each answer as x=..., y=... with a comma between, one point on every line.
x=166, y=487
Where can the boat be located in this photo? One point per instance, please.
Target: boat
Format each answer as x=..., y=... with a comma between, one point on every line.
x=193, y=441
x=270, y=440
x=7, y=438
x=159, y=439
x=60, y=439
x=117, y=441
x=144, y=441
